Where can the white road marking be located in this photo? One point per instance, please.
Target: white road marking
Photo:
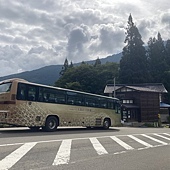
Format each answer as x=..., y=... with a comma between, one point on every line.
x=166, y=134
x=117, y=153
x=162, y=136
x=13, y=144
x=140, y=141
x=156, y=140
x=63, y=154
x=98, y=147
x=120, y=142
x=15, y=156
x=59, y=140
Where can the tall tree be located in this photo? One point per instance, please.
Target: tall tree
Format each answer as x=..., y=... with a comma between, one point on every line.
x=64, y=68
x=133, y=64
x=97, y=62
x=157, y=57
x=167, y=48
x=71, y=65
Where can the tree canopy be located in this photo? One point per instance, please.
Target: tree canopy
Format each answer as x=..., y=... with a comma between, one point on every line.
x=157, y=58
x=88, y=78
x=133, y=64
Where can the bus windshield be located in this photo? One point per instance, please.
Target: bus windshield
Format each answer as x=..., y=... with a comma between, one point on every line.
x=5, y=87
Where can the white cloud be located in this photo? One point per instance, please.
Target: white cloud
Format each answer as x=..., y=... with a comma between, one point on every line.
x=38, y=33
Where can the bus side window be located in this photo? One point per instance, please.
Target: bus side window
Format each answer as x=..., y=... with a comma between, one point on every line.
x=22, y=94
x=60, y=97
x=21, y=91
x=41, y=94
x=31, y=93
x=103, y=104
x=46, y=97
x=117, y=107
x=79, y=101
x=110, y=104
x=52, y=98
x=90, y=101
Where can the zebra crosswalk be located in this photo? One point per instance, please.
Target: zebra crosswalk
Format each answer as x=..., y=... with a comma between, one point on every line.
x=15, y=156
x=63, y=154
x=98, y=146
x=64, y=151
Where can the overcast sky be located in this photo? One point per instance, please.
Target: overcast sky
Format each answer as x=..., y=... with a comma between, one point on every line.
x=37, y=33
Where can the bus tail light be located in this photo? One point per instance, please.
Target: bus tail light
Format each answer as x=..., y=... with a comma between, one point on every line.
x=13, y=97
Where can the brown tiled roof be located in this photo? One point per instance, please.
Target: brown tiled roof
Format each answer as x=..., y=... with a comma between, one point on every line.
x=147, y=87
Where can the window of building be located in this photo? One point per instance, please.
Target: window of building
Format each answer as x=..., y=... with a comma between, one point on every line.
x=127, y=101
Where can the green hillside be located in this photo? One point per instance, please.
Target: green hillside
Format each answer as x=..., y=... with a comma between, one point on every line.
x=49, y=74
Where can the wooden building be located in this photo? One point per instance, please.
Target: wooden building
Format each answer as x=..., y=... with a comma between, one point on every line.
x=139, y=102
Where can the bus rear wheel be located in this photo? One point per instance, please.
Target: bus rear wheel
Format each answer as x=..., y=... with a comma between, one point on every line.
x=51, y=124
x=106, y=123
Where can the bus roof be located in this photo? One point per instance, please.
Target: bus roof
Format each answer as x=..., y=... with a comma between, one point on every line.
x=53, y=87
x=12, y=80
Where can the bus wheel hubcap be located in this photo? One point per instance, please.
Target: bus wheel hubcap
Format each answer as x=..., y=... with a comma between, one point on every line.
x=106, y=123
x=52, y=124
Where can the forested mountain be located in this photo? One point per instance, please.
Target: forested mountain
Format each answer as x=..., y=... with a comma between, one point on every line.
x=49, y=75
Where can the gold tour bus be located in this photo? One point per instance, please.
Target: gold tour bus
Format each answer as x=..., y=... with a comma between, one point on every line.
x=32, y=105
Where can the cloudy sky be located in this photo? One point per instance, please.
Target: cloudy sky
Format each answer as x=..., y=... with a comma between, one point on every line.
x=37, y=33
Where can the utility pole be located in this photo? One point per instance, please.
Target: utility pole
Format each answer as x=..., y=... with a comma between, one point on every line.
x=114, y=88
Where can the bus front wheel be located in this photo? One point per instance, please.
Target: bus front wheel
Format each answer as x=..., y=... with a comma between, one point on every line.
x=106, y=123
x=51, y=124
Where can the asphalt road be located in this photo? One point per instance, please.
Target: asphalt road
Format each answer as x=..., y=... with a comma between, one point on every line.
x=85, y=149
